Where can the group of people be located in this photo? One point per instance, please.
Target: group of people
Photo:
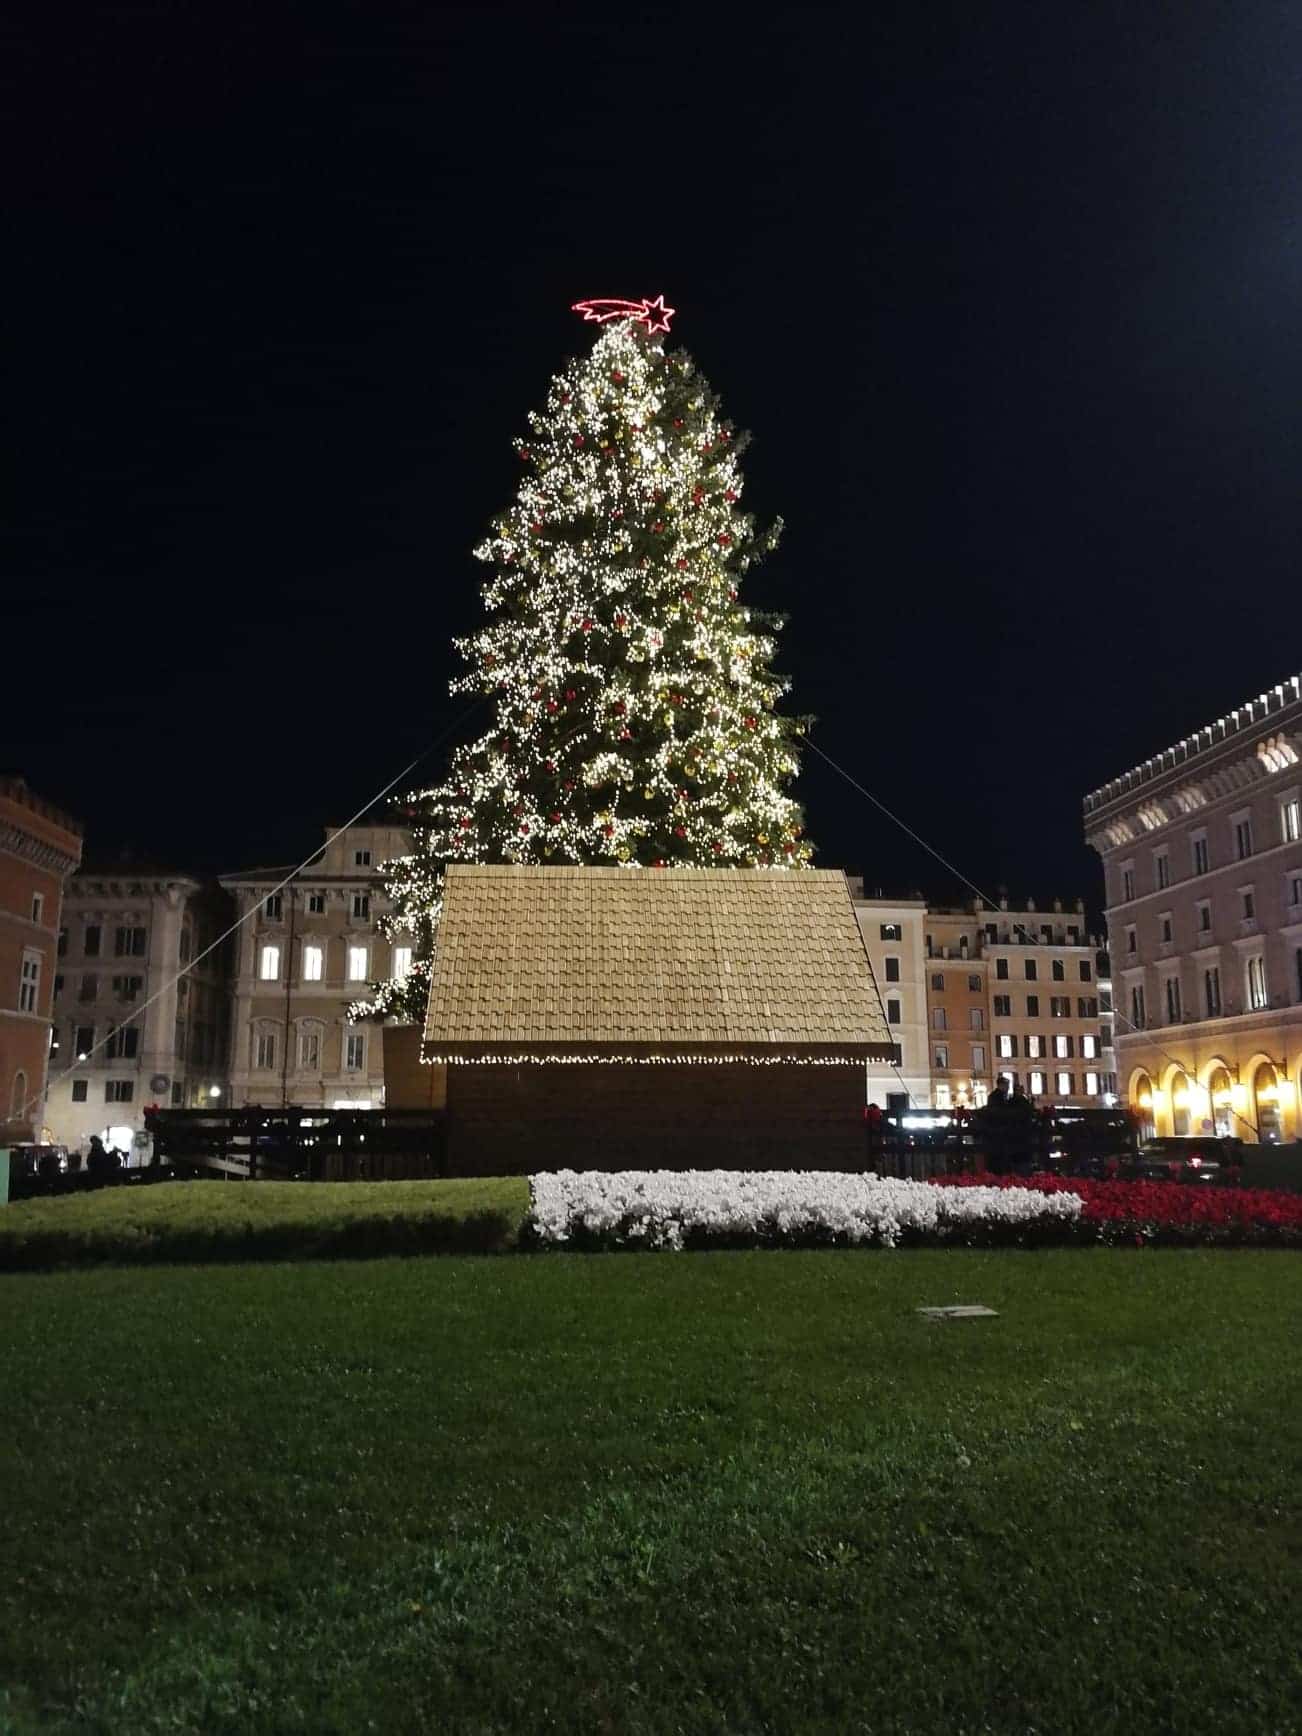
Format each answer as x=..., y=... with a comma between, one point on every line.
x=1004, y=1128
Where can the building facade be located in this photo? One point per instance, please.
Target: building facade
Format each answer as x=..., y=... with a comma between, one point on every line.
x=140, y=1015
x=39, y=847
x=307, y=952
x=1202, y=858
x=892, y=930
x=1020, y=995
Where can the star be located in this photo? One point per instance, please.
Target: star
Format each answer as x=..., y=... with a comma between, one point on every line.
x=649, y=311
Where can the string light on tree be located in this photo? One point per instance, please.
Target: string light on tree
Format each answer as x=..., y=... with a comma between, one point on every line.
x=635, y=705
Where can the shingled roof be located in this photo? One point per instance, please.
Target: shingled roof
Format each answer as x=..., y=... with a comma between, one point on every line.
x=565, y=962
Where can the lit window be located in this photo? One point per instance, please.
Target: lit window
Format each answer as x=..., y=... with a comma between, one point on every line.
x=361, y=906
x=1037, y=1084
x=1256, y=983
x=1089, y=1046
x=30, y=982
x=1064, y=1084
x=1062, y=1047
x=1091, y=1084
x=313, y=963
x=1005, y=1046
x=269, y=964
x=978, y=1057
x=1033, y=1049
x=358, y=964
x=942, y=1096
x=1290, y=817
x=402, y=961
x=941, y=1062
x=354, y=1051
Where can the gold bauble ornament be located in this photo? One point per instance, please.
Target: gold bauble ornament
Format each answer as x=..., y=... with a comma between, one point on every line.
x=648, y=792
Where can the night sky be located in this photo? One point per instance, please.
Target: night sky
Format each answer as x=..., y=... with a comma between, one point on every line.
x=1007, y=294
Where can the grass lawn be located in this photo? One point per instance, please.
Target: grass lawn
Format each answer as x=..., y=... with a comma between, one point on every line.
x=716, y=1492
x=207, y=1220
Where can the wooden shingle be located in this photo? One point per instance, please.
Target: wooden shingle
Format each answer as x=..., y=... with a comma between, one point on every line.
x=568, y=961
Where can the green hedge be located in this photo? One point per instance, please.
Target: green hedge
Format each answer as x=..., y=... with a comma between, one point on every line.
x=201, y=1221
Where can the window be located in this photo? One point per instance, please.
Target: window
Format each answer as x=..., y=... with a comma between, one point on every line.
x=127, y=988
x=992, y=933
x=942, y=1097
x=1008, y=1081
x=1161, y=870
x=272, y=906
x=361, y=906
x=128, y=943
x=941, y=1058
x=1173, y=1000
x=354, y=1051
x=1073, y=936
x=1059, y=971
x=63, y=943
x=1089, y=1046
x=974, y=984
x=892, y=1011
x=1005, y=1046
x=1290, y=823
x=892, y=970
x=269, y=964
x=930, y=947
x=1091, y=1084
x=1033, y=1048
x=1243, y=838
x=1200, y=853
x=1297, y=960
x=316, y=903
x=1001, y=969
x=1086, y=971
x=1060, y=1006
x=1137, y=1006
x=79, y=1090
x=979, y=1051
x=1003, y=1006
x=29, y=982
x=1130, y=941
x=976, y=1018
x=402, y=961
x=1212, y=991
x=119, y=1090
x=1032, y=970
x=1032, y=1006
x=123, y=1043
x=1037, y=1084
x=90, y=941
x=89, y=988
x=1204, y=918
x=1295, y=890
x=1256, y=982
x=313, y=963
x=361, y=858
x=891, y=931
x=38, y=899
x=1046, y=933
x=1127, y=885
x=1065, y=1085
x=309, y=1050
x=1249, y=904
x=358, y=964
x=266, y=1050
x=1164, y=929
x=58, y=985
x=83, y=1040
x=938, y=1018
x=937, y=981
x=1062, y=1047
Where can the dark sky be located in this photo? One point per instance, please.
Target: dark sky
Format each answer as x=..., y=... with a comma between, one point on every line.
x=1008, y=294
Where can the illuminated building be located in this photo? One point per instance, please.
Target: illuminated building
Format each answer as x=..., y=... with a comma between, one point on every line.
x=1202, y=856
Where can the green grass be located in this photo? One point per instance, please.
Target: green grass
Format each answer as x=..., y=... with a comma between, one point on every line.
x=721, y=1492
x=187, y=1221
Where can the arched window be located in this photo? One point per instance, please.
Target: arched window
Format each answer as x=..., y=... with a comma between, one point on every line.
x=1180, y=1103
x=1265, y=1091
x=1141, y=1101
x=1220, y=1088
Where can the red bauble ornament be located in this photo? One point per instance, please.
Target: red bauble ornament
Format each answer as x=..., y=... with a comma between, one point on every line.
x=681, y=565
x=617, y=377
x=680, y=831
x=618, y=708
x=724, y=539
x=730, y=494
x=552, y=705
x=524, y=825
x=549, y=765
x=678, y=421
x=626, y=735
x=578, y=439
x=732, y=596
x=698, y=495
x=536, y=527
x=555, y=819
x=732, y=777
x=464, y=825
x=621, y=620
x=716, y=845
x=587, y=625
x=569, y=693
x=750, y=723
x=608, y=831
x=657, y=527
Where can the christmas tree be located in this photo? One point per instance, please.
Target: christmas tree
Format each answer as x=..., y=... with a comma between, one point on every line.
x=635, y=715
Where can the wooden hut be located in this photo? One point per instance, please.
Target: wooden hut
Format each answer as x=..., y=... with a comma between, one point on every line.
x=599, y=1018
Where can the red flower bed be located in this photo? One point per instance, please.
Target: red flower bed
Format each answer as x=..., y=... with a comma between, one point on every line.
x=1169, y=1213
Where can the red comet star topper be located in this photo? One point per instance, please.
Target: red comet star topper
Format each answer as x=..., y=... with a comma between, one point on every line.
x=653, y=314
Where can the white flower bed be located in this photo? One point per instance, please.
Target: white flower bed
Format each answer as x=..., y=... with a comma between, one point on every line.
x=660, y=1208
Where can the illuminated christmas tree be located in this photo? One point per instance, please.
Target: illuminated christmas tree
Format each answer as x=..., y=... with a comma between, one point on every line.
x=635, y=715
